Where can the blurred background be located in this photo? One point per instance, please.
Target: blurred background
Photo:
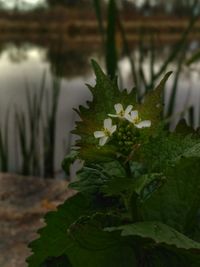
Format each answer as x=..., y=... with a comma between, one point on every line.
x=45, y=51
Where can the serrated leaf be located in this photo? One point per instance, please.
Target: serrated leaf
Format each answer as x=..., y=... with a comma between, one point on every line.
x=147, y=184
x=158, y=234
x=63, y=238
x=69, y=160
x=118, y=185
x=166, y=150
x=53, y=240
x=152, y=108
x=57, y=262
x=177, y=203
x=118, y=256
x=184, y=129
x=98, y=248
x=96, y=178
x=193, y=151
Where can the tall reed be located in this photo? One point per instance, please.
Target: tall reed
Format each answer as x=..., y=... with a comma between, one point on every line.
x=4, y=143
x=28, y=129
x=49, y=126
x=36, y=129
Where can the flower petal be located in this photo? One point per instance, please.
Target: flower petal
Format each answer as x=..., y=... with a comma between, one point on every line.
x=99, y=134
x=128, y=109
x=108, y=124
x=128, y=117
x=103, y=140
x=143, y=124
x=118, y=108
x=132, y=117
x=113, y=115
x=113, y=129
x=134, y=114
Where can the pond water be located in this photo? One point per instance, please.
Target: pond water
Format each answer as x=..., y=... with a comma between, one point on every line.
x=24, y=65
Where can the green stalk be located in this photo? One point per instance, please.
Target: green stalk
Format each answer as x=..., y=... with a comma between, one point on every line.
x=152, y=59
x=4, y=146
x=111, y=49
x=28, y=128
x=97, y=7
x=21, y=127
x=49, y=128
x=177, y=48
x=175, y=85
x=127, y=51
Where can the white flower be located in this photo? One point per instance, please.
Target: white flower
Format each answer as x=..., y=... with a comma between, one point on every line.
x=107, y=131
x=136, y=120
x=120, y=112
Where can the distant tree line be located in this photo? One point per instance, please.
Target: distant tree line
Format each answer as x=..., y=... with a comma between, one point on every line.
x=179, y=7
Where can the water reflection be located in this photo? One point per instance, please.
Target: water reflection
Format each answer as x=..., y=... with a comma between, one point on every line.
x=68, y=62
x=25, y=63
x=63, y=61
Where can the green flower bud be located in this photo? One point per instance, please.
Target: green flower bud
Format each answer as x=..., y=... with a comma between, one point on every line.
x=124, y=137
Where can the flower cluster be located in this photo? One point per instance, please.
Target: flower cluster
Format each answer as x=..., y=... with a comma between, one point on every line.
x=132, y=116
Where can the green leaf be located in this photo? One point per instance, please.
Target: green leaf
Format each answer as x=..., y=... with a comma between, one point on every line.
x=193, y=151
x=177, y=203
x=158, y=234
x=118, y=185
x=152, y=108
x=147, y=184
x=62, y=261
x=184, y=129
x=95, y=247
x=118, y=256
x=68, y=160
x=90, y=179
x=96, y=178
x=54, y=241
x=67, y=241
x=165, y=150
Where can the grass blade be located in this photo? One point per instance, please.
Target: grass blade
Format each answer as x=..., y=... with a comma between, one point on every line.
x=127, y=50
x=49, y=128
x=179, y=45
x=97, y=7
x=4, y=146
x=111, y=49
x=175, y=84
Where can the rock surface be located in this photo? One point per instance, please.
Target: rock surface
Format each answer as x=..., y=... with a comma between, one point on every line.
x=23, y=203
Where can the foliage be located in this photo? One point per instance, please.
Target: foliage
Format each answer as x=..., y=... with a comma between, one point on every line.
x=138, y=200
x=107, y=89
